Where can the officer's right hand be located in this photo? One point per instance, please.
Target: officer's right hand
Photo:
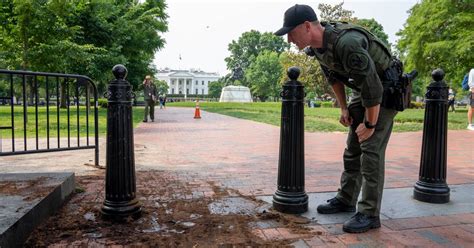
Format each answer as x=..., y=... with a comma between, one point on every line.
x=345, y=119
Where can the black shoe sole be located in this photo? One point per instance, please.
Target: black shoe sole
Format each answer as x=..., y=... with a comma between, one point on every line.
x=335, y=211
x=361, y=230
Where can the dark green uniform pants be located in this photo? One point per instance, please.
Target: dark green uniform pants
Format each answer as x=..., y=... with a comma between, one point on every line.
x=364, y=164
x=151, y=104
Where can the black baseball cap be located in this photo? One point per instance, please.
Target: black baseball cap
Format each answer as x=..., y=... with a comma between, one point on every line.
x=295, y=16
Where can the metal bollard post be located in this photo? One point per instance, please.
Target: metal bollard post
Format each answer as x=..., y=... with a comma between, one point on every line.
x=120, y=181
x=431, y=186
x=290, y=196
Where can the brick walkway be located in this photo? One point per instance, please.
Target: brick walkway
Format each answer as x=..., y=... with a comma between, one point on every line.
x=242, y=155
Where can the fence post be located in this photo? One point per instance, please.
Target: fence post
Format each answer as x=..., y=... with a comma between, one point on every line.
x=431, y=186
x=290, y=196
x=120, y=181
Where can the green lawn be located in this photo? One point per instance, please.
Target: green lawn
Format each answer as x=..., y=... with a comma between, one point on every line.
x=316, y=119
x=320, y=119
x=5, y=120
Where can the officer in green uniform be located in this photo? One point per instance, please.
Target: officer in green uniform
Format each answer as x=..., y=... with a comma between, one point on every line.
x=351, y=56
x=149, y=94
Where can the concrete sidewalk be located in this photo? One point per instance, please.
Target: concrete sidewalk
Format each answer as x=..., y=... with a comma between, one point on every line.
x=241, y=155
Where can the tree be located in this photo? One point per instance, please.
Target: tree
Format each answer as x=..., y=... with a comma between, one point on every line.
x=311, y=75
x=82, y=37
x=338, y=13
x=375, y=28
x=161, y=87
x=215, y=88
x=335, y=13
x=245, y=50
x=445, y=40
x=264, y=75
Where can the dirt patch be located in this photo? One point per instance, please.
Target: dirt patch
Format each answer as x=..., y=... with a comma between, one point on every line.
x=173, y=216
x=30, y=189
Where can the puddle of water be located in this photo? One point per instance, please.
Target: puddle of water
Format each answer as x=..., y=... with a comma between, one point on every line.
x=93, y=235
x=187, y=224
x=233, y=205
x=155, y=226
x=89, y=216
x=195, y=216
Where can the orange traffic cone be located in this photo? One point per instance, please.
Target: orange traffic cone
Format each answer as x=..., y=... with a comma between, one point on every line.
x=197, y=112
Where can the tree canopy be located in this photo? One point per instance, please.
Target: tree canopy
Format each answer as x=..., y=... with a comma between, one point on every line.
x=444, y=40
x=245, y=50
x=265, y=73
x=82, y=37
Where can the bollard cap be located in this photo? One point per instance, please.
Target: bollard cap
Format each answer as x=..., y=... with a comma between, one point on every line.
x=293, y=73
x=119, y=71
x=437, y=75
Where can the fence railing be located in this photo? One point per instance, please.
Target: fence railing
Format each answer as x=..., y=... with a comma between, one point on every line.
x=47, y=112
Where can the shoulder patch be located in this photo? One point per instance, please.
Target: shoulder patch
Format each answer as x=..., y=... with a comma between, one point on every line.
x=357, y=62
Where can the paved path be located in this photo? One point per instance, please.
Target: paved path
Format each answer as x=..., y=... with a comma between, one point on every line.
x=243, y=155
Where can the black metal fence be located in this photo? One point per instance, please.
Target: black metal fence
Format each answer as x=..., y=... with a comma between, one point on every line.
x=47, y=112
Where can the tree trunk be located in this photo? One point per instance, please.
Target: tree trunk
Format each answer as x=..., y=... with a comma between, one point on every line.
x=88, y=98
x=63, y=95
x=31, y=85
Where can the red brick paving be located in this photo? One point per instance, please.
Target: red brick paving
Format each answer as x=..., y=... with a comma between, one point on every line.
x=218, y=148
x=243, y=155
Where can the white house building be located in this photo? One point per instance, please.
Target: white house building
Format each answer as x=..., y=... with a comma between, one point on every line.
x=187, y=82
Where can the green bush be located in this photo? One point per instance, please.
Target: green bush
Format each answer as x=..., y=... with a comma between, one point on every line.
x=416, y=105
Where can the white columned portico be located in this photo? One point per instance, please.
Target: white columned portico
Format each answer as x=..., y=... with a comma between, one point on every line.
x=185, y=77
x=177, y=86
x=185, y=83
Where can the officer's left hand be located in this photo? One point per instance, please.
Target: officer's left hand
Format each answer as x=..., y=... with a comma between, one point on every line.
x=364, y=133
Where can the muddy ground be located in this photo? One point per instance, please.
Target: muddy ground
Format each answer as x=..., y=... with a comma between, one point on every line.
x=175, y=214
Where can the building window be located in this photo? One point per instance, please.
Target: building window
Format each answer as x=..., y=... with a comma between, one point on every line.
x=172, y=91
x=202, y=91
x=197, y=91
x=202, y=82
x=187, y=91
x=197, y=82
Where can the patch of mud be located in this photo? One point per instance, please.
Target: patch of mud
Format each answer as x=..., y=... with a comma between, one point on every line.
x=169, y=217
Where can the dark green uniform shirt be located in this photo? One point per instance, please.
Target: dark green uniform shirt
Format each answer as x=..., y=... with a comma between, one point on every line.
x=350, y=60
x=149, y=91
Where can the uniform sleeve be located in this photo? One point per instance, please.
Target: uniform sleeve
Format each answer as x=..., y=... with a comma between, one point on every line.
x=332, y=76
x=352, y=50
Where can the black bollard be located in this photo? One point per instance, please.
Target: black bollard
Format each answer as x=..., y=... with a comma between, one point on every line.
x=431, y=186
x=120, y=181
x=290, y=196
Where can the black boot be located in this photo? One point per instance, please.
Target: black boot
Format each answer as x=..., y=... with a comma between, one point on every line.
x=361, y=223
x=334, y=206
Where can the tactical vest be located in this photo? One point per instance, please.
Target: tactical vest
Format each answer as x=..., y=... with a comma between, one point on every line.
x=377, y=50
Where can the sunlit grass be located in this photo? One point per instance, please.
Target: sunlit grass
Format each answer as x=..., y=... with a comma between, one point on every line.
x=320, y=119
x=42, y=122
